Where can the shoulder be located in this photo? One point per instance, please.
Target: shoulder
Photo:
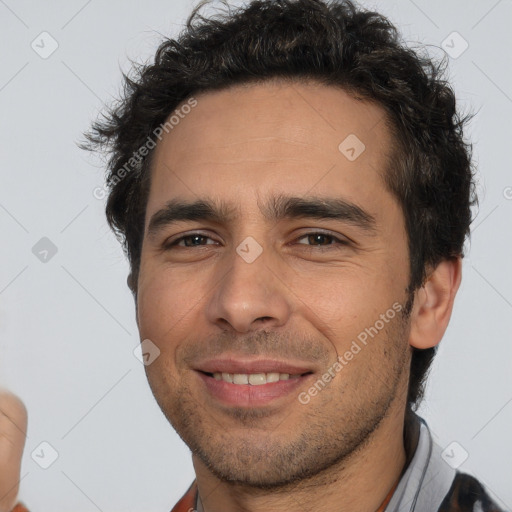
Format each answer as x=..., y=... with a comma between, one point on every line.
x=19, y=507
x=430, y=484
x=467, y=494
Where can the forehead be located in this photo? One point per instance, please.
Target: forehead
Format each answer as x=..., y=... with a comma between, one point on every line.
x=274, y=136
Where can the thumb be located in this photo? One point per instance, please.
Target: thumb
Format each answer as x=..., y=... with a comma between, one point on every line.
x=13, y=428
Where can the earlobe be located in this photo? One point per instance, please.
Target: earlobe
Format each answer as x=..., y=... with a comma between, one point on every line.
x=130, y=281
x=433, y=304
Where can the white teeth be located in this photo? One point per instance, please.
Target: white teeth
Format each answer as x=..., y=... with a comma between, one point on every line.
x=254, y=379
x=240, y=378
x=228, y=377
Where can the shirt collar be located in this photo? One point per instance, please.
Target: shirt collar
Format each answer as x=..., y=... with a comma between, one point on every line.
x=427, y=477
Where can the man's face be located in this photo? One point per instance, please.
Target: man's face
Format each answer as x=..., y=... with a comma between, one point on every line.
x=266, y=290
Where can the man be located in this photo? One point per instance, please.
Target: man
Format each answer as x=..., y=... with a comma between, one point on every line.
x=293, y=191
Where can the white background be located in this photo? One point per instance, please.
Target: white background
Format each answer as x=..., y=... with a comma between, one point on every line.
x=67, y=327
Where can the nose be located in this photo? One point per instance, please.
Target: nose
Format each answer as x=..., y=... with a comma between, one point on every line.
x=250, y=296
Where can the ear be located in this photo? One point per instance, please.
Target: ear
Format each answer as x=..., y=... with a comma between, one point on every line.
x=130, y=281
x=433, y=304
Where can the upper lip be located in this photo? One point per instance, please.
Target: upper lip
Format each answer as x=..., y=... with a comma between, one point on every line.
x=248, y=366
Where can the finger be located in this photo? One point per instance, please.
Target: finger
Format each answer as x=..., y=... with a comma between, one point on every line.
x=13, y=428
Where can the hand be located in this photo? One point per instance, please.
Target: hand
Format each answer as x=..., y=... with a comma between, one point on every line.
x=13, y=428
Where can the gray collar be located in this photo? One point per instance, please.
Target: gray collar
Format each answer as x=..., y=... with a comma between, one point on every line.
x=427, y=479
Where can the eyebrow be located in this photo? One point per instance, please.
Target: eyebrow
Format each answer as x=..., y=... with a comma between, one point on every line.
x=277, y=208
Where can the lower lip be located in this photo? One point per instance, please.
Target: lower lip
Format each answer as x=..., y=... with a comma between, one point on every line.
x=246, y=395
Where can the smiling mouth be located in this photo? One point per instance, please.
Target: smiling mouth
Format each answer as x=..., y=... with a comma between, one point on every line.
x=254, y=379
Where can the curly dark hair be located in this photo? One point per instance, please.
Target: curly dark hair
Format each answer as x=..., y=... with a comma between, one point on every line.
x=334, y=43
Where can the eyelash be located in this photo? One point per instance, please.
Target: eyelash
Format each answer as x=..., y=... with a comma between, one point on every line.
x=341, y=242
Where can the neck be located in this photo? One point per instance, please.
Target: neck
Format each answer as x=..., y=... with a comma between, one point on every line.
x=361, y=482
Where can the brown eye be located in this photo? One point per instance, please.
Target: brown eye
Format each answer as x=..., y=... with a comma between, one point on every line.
x=190, y=240
x=319, y=239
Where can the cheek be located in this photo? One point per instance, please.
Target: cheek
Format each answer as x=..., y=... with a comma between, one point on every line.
x=344, y=302
x=349, y=292
x=165, y=308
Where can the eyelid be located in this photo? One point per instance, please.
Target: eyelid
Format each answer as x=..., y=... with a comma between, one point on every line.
x=175, y=239
x=339, y=239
